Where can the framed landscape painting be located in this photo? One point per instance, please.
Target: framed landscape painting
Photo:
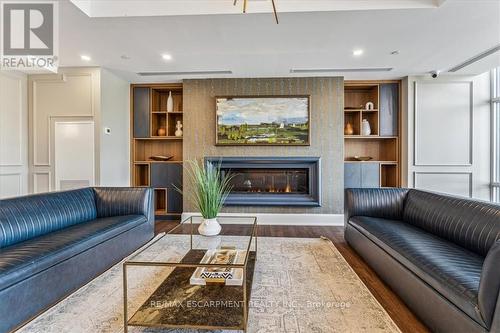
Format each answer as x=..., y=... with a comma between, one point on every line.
x=263, y=120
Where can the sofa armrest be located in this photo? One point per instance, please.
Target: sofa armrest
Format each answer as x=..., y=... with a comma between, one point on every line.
x=116, y=201
x=375, y=202
x=489, y=287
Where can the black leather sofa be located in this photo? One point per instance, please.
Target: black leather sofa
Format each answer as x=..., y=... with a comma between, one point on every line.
x=440, y=254
x=52, y=244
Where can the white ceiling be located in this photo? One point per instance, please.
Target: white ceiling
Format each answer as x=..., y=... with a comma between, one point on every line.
x=429, y=35
x=113, y=8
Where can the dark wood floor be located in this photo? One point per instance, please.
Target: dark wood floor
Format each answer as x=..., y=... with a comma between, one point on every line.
x=398, y=311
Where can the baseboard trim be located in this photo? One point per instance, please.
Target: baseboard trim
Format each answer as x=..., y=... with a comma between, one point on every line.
x=284, y=219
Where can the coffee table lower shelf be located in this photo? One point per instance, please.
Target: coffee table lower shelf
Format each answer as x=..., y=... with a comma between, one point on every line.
x=178, y=304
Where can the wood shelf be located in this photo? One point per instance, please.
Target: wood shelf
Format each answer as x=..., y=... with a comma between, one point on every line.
x=369, y=137
x=149, y=114
x=383, y=144
x=152, y=161
x=166, y=137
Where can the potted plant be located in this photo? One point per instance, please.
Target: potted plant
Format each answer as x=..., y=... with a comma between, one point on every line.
x=211, y=189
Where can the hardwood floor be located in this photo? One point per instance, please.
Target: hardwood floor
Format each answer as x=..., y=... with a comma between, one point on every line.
x=398, y=311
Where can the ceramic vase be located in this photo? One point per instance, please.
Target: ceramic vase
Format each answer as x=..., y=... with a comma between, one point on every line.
x=348, y=129
x=170, y=102
x=369, y=106
x=178, y=128
x=365, y=128
x=161, y=132
x=209, y=227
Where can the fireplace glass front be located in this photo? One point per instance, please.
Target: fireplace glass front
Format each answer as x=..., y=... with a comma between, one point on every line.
x=278, y=181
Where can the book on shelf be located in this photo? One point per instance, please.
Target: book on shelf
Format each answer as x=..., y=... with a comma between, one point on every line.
x=225, y=275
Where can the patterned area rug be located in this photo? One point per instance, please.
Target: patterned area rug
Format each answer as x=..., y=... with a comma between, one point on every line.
x=300, y=285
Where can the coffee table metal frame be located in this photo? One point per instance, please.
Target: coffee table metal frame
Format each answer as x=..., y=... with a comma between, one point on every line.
x=253, y=236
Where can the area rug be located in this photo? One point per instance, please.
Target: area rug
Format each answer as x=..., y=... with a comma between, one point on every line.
x=301, y=285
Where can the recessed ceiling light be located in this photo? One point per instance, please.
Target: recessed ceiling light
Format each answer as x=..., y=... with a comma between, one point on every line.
x=85, y=58
x=125, y=57
x=166, y=56
x=357, y=52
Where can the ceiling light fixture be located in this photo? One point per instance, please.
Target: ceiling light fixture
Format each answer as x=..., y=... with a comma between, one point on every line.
x=85, y=58
x=395, y=52
x=245, y=8
x=357, y=52
x=166, y=56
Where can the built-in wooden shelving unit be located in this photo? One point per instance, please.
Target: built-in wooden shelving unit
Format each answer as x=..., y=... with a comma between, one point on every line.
x=153, y=134
x=382, y=145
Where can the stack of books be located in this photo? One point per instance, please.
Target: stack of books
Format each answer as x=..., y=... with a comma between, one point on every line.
x=228, y=276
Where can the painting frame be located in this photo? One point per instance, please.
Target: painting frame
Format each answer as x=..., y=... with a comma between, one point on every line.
x=308, y=137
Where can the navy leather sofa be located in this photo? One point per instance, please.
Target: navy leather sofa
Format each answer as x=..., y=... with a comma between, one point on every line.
x=440, y=254
x=52, y=244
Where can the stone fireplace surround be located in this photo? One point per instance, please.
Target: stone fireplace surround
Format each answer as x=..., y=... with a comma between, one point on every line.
x=326, y=123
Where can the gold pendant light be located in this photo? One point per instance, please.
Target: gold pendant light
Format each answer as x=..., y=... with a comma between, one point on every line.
x=245, y=8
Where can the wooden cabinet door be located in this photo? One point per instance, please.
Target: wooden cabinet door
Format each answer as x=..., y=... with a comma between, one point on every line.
x=166, y=175
x=352, y=175
x=370, y=175
x=174, y=201
x=141, y=112
x=389, y=107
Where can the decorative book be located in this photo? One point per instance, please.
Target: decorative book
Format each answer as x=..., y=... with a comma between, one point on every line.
x=228, y=276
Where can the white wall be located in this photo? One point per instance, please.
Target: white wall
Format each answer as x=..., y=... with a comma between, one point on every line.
x=115, y=114
x=73, y=94
x=13, y=134
x=446, y=134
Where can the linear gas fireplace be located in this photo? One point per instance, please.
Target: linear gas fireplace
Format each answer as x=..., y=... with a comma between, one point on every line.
x=272, y=181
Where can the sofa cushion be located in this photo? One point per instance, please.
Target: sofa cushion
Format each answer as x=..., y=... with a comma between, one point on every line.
x=451, y=270
x=469, y=223
x=22, y=260
x=114, y=201
x=27, y=217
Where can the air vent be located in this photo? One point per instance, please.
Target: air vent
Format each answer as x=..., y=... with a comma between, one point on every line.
x=339, y=70
x=184, y=73
x=475, y=59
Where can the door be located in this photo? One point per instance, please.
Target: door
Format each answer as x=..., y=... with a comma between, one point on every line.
x=74, y=154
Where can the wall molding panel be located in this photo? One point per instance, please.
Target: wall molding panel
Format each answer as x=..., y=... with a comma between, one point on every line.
x=430, y=130
x=13, y=134
x=7, y=189
x=448, y=181
x=447, y=134
x=11, y=129
x=72, y=95
x=42, y=181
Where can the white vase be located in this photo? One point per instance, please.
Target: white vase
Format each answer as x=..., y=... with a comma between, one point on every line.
x=170, y=102
x=365, y=128
x=209, y=227
x=178, y=128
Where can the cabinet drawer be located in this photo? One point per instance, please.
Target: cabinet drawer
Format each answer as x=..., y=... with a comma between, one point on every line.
x=166, y=175
x=141, y=112
x=370, y=175
x=174, y=201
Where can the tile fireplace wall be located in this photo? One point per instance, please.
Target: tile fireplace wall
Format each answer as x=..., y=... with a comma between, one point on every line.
x=326, y=131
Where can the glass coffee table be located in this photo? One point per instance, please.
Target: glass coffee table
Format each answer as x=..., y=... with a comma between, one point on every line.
x=208, y=280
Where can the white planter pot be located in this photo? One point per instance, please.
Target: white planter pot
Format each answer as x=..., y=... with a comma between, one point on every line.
x=209, y=227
